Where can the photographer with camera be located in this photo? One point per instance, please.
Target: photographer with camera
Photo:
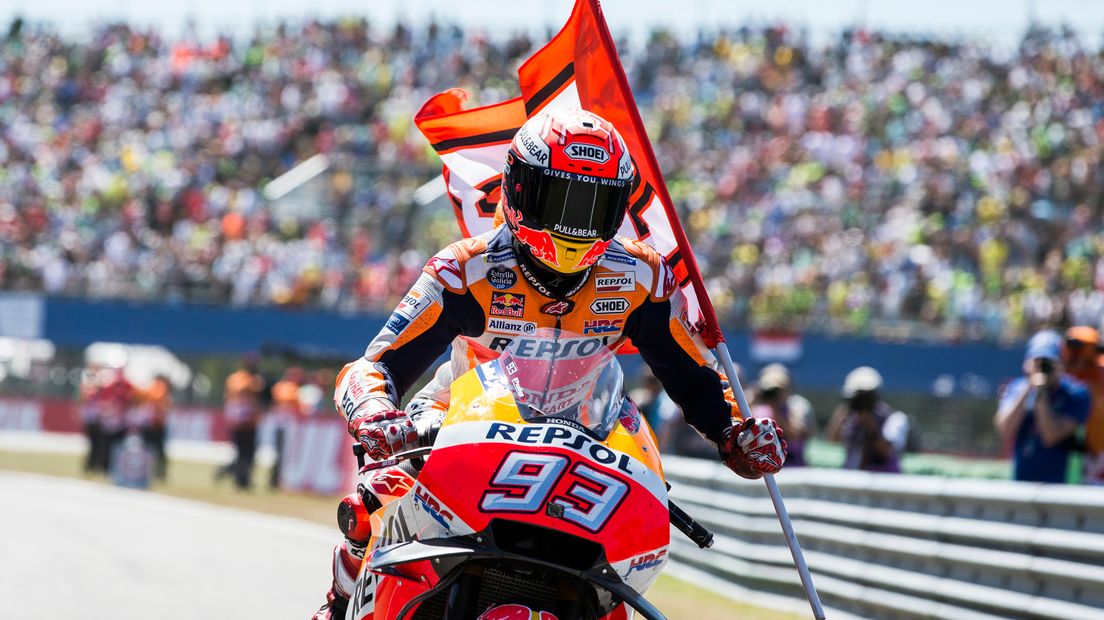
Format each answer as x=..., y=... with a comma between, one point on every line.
x=874, y=435
x=1040, y=412
x=774, y=399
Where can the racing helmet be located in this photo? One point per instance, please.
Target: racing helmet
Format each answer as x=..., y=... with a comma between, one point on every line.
x=566, y=187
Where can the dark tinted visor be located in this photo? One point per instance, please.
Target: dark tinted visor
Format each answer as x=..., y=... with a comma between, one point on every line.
x=568, y=204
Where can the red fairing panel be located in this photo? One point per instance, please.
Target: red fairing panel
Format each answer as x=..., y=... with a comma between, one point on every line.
x=605, y=503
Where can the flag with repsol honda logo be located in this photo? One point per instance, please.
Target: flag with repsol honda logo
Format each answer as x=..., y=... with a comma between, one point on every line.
x=578, y=68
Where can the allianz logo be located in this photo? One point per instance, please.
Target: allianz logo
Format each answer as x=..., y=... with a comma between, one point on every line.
x=513, y=327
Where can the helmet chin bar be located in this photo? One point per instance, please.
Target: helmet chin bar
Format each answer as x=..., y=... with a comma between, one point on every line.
x=548, y=282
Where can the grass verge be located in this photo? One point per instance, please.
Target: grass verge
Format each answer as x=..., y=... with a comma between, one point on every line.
x=679, y=600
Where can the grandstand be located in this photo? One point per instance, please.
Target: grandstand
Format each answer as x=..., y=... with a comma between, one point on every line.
x=868, y=184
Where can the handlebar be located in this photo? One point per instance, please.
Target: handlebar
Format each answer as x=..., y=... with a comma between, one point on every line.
x=686, y=524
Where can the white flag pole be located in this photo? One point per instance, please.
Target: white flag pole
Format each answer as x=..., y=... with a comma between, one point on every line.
x=772, y=488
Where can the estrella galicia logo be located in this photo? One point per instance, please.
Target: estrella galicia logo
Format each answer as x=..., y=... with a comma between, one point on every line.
x=501, y=277
x=396, y=323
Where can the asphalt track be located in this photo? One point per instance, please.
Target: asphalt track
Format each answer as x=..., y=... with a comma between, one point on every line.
x=71, y=549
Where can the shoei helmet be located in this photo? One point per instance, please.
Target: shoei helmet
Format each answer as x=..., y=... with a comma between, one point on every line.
x=566, y=185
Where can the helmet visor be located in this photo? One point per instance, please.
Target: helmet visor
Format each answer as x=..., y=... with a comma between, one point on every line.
x=568, y=204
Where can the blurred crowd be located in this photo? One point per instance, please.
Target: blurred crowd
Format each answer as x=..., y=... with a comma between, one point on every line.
x=116, y=409
x=869, y=181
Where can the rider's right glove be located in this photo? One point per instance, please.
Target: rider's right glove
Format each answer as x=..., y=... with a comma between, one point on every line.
x=384, y=433
x=373, y=421
x=753, y=447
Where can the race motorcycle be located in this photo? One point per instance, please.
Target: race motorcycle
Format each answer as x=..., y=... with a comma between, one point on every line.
x=539, y=497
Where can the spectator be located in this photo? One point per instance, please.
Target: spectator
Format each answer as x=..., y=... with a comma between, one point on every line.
x=115, y=401
x=874, y=435
x=879, y=181
x=155, y=404
x=90, y=407
x=794, y=414
x=315, y=396
x=286, y=410
x=242, y=411
x=1039, y=413
x=1081, y=357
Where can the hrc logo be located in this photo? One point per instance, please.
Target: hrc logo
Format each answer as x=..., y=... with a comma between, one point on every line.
x=648, y=560
x=602, y=326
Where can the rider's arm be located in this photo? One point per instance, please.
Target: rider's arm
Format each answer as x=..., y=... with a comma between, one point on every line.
x=437, y=309
x=682, y=363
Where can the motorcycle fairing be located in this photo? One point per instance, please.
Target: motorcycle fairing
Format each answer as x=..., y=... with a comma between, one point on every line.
x=483, y=432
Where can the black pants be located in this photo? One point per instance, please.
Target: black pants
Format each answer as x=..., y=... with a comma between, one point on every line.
x=274, y=478
x=154, y=437
x=96, y=459
x=245, y=442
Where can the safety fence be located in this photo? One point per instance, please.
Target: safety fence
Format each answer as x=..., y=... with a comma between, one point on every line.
x=897, y=546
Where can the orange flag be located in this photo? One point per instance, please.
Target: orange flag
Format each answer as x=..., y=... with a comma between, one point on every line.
x=578, y=68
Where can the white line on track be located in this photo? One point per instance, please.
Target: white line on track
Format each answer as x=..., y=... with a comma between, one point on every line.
x=80, y=550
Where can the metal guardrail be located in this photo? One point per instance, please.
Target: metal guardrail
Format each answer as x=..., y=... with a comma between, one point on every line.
x=903, y=547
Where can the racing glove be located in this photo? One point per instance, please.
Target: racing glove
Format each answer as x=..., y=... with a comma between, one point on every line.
x=384, y=433
x=753, y=447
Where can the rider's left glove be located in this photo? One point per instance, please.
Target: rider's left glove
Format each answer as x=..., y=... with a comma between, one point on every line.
x=754, y=447
x=384, y=434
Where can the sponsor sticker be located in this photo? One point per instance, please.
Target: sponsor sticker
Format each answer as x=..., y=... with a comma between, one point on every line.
x=508, y=304
x=412, y=305
x=618, y=257
x=434, y=508
x=536, y=148
x=396, y=323
x=511, y=327
x=615, y=283
x=610, y=305
x=574, y=232
x=500, y=257
x=558, y=308
x=501, y=277
x=447, y=269
x=602, y=326
x=629, y=417
x=648, y=560
x=588, y=152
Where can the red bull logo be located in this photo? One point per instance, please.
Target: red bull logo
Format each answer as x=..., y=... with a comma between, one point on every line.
x=508, y=304
x=594, y=253
x=540, y=243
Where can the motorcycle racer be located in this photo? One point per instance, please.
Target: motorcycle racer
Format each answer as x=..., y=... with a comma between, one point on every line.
x=554, y=263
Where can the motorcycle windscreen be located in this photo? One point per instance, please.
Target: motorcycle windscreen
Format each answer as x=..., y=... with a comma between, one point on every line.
x=557, y=374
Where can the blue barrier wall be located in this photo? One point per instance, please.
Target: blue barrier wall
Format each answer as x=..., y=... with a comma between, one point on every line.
x=975, y=369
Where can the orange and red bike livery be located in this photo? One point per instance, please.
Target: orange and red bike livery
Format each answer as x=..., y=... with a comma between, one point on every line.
x=544, y=490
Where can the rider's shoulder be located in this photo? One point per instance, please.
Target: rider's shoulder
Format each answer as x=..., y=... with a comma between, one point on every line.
x=650, y=269
x=450, y=266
